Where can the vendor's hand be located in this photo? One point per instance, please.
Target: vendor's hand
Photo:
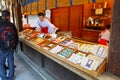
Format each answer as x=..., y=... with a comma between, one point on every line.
x=37, y=29
x=56, y=29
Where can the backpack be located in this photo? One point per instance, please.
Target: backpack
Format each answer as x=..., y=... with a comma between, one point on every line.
x=9, y=36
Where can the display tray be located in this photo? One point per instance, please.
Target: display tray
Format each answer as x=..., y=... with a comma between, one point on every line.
x=66, y=42
x=66, y=52
x=44, y=43
x=56, y=49
x=51, y=45
x=37, y=40
x=77, y=57
x=59, y=39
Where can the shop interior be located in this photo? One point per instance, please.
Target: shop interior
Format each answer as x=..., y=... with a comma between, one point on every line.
x=72, y=53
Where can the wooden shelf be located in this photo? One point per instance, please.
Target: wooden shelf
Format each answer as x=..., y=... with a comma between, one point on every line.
x=100, y=28
x=105, y=11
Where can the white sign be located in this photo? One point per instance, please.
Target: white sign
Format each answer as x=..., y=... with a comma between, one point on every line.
x=48, y=13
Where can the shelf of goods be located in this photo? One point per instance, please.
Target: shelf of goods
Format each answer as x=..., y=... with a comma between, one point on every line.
x=75, y=55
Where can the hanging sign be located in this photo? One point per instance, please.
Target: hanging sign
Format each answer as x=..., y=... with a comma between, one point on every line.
x=41, y=5
x=34, y=6
x=77, y=2
x=63, y=3
x=51, y=4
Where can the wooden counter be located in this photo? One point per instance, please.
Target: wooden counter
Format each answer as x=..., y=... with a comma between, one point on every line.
x=90, y=35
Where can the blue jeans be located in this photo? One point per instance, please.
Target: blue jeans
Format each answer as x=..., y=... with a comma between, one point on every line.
x=9, y=55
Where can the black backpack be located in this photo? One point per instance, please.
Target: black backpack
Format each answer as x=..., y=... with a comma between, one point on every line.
x=8, y=35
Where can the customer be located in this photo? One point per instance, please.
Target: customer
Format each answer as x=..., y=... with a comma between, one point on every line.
x=8, y=43
x=44, y=25
x=104, y=36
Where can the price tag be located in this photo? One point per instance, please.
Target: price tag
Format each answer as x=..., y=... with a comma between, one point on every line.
x=100, y=50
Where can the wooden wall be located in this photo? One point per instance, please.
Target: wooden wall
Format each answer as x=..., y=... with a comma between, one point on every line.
x=68, y=19
x=64, y=18
x=55, y=17
x=86, y=12
x=60, y=18
x=76, y=20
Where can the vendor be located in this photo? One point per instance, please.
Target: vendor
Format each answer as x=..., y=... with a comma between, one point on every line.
x=104, y=36
x=44, y=25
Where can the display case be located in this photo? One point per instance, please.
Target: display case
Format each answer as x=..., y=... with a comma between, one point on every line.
x=78, y=58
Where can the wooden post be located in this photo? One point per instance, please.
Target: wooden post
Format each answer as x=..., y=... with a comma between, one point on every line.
x=114, y=50
x=18, y=15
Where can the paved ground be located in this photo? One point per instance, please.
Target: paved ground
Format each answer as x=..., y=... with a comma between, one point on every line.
x=23, y=71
